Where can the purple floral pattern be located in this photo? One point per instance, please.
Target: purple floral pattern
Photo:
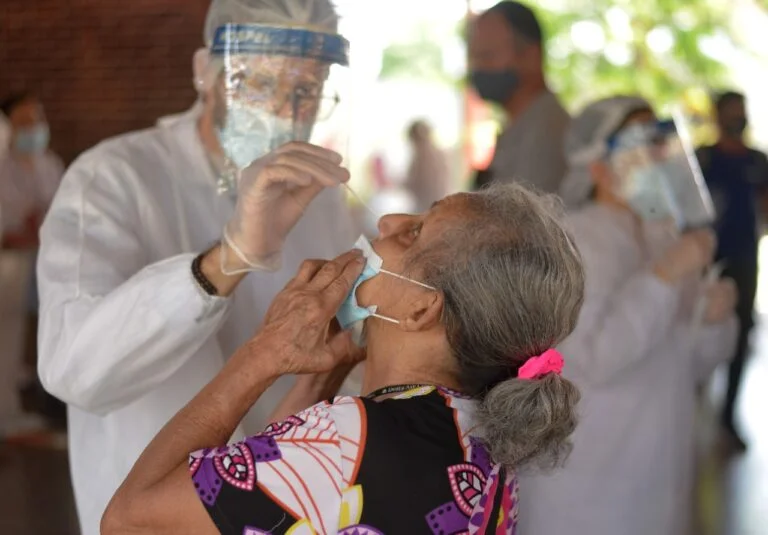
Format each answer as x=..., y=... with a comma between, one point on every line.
x=473, y=485
x=234, y=465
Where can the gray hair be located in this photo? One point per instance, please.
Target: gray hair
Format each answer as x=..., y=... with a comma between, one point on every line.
x=513, y=285
x=320, y=14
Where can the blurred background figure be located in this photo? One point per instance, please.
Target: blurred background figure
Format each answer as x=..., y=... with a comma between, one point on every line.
x=639, y=350
x=506, y=64
x=30, y=171
x=737, y=176
x=428, y=177
x=390, y=197
x=29, y=177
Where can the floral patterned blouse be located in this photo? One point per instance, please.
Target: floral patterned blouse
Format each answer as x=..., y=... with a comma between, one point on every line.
x=355, y=466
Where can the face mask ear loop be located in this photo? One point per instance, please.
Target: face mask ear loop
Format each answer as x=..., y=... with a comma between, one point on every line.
x=385, y=318
x=401, y=277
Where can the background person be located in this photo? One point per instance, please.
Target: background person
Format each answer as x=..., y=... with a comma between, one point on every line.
x=737, y=176
x=428, y=177
x=638, y=352
x=506, y=63
x=30, y=174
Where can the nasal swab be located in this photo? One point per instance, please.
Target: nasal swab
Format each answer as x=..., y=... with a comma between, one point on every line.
x=361, y=201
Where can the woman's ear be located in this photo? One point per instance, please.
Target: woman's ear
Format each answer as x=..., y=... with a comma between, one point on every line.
x=424, y=313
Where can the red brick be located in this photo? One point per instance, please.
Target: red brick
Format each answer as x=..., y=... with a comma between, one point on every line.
x=102, y=68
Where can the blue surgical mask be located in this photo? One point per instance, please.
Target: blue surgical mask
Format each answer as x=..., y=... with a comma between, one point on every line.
x=248, y=133
x=496, y=86
x=351, y=315
x=32, y=140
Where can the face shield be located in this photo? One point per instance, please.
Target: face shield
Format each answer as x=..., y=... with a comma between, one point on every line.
x=657, y=173
x=275, y=85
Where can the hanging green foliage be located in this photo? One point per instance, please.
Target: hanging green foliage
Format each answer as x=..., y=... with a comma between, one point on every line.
x=657, y=48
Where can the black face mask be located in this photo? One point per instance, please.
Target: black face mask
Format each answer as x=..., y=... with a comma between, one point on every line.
x=496, y=86
x=735, y=127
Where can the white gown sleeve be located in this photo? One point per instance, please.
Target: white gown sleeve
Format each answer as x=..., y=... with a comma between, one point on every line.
x=617, y=327
x=112, y=328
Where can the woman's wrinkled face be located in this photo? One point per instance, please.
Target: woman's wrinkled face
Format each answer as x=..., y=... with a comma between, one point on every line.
x=403, y=235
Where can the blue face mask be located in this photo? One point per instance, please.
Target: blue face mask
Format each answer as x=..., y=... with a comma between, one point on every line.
x=32, y=140
x=351, y=315
x=249, y=133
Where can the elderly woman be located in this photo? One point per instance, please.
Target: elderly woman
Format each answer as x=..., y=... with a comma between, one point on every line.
x=638, y=350
x=461, y=388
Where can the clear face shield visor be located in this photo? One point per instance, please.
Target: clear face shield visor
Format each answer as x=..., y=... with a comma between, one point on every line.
x=657, y=173
x=275, y=85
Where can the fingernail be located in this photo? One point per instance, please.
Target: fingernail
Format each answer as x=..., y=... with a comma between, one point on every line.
x=358, y=252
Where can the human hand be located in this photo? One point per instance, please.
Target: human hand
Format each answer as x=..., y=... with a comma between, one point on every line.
x=722, y=298
x=315, y=387
x=326, y=385
x=273, y=194
x=690, y=254
x=298, y=331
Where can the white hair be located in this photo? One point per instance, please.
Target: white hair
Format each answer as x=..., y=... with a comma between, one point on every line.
x=512, y=285
x=320, y=14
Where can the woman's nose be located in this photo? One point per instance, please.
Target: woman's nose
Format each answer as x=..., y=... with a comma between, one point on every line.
x=390, y=224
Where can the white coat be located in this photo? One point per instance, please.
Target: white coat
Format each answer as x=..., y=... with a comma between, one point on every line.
x=637, y=364
x=126, y=336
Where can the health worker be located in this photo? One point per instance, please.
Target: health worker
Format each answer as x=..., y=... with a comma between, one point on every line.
x=146, y=249
x=651, y=329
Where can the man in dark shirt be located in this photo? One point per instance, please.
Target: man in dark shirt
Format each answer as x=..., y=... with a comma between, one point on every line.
x=737, y=176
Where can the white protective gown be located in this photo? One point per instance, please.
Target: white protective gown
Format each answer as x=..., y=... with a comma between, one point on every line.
x=126, y=336
x=636, y=361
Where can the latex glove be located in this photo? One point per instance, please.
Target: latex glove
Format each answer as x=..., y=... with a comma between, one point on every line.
x=692, y=252
x=273, y=193
x=721, y=301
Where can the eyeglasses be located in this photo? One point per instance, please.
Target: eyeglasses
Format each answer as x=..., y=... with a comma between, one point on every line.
x=304, y=99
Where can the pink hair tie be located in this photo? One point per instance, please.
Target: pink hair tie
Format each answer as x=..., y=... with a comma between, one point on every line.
x=551, y=361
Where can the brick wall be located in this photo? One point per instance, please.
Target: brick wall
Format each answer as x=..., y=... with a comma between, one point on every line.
x=101, y=67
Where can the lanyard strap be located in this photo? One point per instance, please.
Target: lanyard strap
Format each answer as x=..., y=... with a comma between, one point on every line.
x=394, y=389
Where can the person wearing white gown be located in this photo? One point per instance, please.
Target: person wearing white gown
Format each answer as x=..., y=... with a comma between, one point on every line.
x=142, y=297
x=636, y=355
x=30, y=174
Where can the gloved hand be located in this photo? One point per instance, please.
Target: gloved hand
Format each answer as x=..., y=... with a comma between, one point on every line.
x=689, y=255
x=273, y=193
x=721, y=301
